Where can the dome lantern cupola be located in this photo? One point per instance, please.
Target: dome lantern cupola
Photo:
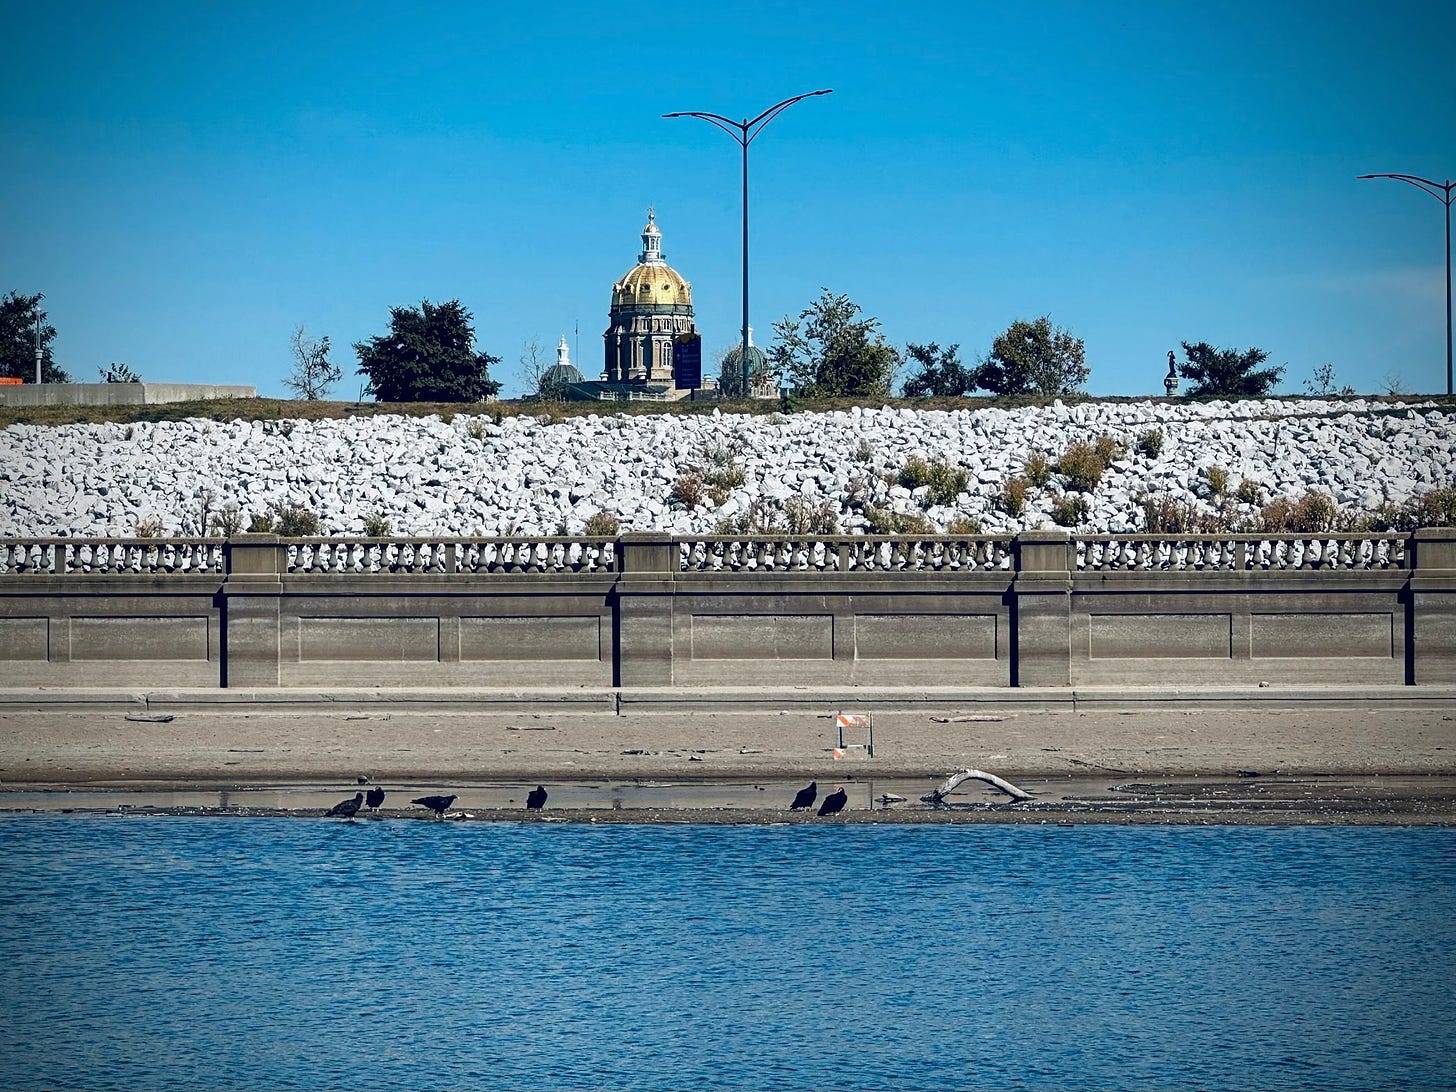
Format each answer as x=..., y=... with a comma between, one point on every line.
x=651, y=242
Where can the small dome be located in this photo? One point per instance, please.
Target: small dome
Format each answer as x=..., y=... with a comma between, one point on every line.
x=561, y=375
x=757, y=358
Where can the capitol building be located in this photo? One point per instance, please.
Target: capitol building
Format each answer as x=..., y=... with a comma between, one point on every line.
x=653, y=351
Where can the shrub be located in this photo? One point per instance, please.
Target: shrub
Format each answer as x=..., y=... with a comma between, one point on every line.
x=688, y=489
x=295, y=521
x=602, y=525
x=377, y=525
x=1164, y=515
x=1081, y=466
x=805, y=518
x=476, y=429
x=915, y=473
x=722, y=480
x=148, y=527
x=963, y=525
x=864, y=451
x=1435, y=508
x=885, y=521
x=1216, y=478
x=261, y=523
x=1109, y=449
x=1311, y=513
x=1012, y=498
x=945, y=482
x=1150, y=443
x=226, y=521
x=1249, y=491
x=1037, y=469
x=1069, y=510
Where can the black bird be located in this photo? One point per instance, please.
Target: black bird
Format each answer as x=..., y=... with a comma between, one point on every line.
x=834, y=802
x=806, y=797
x=374, y=798
x=536, y=798
x=436, y=804
x=347, y=808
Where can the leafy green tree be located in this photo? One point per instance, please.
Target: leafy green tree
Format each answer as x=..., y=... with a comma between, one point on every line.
x=833, y=354
x=18, y=316
x=940, y=373
x=427, y=356
x=1227, y=373
x=313, y=372
x=1035, y=358
x=119, y=373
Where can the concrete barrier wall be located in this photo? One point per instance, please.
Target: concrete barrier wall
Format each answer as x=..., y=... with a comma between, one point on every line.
x=117, y=394
x=1039, y=609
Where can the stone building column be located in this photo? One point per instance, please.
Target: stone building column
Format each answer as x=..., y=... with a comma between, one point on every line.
x=648, y=565
x=1431, y=648
x=252, y=597
x=1042, y=609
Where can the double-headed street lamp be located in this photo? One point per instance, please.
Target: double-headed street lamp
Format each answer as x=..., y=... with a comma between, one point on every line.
x=744, y=132
x=1441, y=191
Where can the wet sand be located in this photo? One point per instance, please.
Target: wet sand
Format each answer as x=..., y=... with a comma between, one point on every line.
x=1180, y=765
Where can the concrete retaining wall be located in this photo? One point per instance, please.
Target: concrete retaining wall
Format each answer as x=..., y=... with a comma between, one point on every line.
x=117, y=394
x=1041, y=609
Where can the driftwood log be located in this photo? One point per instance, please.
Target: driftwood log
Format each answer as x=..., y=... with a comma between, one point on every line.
x=955, y=780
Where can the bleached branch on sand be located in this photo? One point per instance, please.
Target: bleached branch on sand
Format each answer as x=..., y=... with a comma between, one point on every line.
x=955, y=780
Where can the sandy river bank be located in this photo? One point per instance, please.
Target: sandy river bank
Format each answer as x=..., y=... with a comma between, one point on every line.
x=1188, y=764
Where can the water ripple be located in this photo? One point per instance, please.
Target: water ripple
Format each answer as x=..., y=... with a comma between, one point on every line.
x=189, y=953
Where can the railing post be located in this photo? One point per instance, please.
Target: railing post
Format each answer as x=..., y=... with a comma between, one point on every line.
x=647, y=566
x=252, y=593
x=1432, y=604
x=1041, y=609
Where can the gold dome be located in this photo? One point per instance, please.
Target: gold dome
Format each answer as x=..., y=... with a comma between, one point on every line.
x=652, y=283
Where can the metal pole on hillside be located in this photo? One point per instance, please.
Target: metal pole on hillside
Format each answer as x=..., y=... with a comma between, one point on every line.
x=1441, y=191
x=744, y=132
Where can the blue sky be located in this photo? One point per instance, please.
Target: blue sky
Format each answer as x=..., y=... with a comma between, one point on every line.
x=188, y=182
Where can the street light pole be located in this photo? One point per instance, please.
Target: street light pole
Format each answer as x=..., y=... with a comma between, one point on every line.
x=38, y=351
x=1441, y=191
x=744, y=132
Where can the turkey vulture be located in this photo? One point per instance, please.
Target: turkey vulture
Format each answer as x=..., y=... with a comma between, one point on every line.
x=374, y=798
x=436, y=804
x=347, y=808
x=536, y=798
x=834, y=802
x=806, y=797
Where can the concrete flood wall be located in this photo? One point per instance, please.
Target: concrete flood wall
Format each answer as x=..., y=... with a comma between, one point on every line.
x=1037, y=609
x=118, y=394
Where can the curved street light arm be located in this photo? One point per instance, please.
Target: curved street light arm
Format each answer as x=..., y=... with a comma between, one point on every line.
x=752, y=128
x=732, y=128
x=1436, y=189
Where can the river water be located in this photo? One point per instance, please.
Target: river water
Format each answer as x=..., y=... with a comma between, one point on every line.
x=168, y=952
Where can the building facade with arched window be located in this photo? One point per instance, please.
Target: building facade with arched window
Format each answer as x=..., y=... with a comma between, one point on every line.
x=652, y=333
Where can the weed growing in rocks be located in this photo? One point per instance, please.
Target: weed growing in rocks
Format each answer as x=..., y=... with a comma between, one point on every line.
x=377, y=525
x=1215, y=478
x=1070, y=510
x=148, y=527
x=1109, y=449
x=1081, y=466
x=602, y=525
x=885, y=521
x=226, y=521
x=1037, y=469
x=1012, y=498
x=1249, y=491
x=963, y=525
x=687, y=490
x=945, y=482
x=1150, y=443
